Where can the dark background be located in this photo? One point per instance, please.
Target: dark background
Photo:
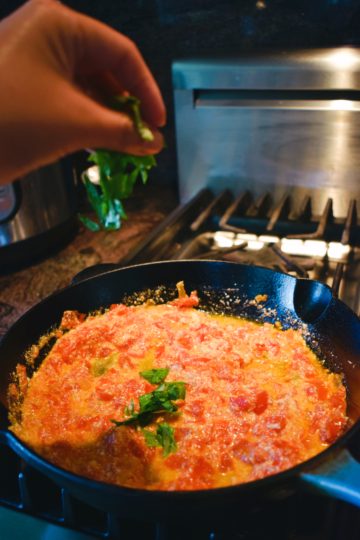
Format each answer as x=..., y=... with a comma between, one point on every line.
x=165, y=30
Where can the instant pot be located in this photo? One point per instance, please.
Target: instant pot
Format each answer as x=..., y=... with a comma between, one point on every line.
x=37, y=213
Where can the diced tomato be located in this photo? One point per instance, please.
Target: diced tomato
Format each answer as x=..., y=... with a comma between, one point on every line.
x=338, y=400
x=260, y=348
x=176, y=461
x=105, y=393
x=332, y=430
x=185, y=341
x=119, y=309
x=199, y=359
x=159, y=351
x=276, y=422
x=196, y=408
x=202, y=468
x=289, y=450
x=311, y=391
x=240, y=403
x=256, y=403
x=71, y=319
x=249, y=452
x=226, y=462
x=261, y=402
x=186, y=301
x=317, y=389
x=274, y=347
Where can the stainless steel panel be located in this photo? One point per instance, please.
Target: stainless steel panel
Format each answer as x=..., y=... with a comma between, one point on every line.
x=335, y=68
x=263, y=144
x=46, y=198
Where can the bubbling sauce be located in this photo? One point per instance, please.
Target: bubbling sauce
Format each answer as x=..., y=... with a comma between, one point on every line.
x=258, y=401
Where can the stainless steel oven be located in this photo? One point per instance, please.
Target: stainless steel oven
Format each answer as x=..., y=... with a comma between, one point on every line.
x=271, y=123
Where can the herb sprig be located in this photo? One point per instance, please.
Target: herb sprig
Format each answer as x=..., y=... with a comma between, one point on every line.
x=152, y=405
x=164, y=437
x=118, y=173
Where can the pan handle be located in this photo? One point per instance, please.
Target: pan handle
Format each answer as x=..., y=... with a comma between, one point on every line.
x=338, y=477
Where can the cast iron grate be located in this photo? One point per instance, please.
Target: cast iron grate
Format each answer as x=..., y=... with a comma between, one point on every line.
x=183, y=234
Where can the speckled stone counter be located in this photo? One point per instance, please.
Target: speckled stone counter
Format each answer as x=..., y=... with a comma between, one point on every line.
x=22, y=289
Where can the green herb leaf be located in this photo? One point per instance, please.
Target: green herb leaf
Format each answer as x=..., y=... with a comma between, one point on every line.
x=151, y=438
x=89, y=223
x=166, y=438
x=118, y=173
x=158, y=402
x=173, y=390
x=155, y=376
x=129, y=409
x=163, y=437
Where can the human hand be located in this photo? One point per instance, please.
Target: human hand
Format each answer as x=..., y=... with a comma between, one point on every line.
x=54, y=65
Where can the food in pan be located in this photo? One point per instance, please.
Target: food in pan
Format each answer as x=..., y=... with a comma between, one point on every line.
x=170, y=397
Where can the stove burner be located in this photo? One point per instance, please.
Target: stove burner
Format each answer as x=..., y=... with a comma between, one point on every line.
x=253, y=232
x=272, y=257
x=246, y=249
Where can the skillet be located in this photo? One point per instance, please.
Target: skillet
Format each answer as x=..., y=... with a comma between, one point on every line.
x=332, y=331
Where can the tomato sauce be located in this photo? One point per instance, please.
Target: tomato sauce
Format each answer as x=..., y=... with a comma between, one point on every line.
x=258, y=401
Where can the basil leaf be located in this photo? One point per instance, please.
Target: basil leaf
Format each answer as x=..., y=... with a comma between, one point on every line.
x=89, y=223
x=163, y=437
x=118, y=172
x=151, y=438
x=155, y=376
x=166, y=438
x=129, y=409
x=151, y=405
x=175, y=390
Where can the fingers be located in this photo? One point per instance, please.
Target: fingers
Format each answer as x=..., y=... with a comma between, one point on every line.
x=102, y=49
x=115, y=131
x=48, y=49
x=95, y=126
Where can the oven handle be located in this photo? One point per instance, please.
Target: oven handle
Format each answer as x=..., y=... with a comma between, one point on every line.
x=338, y=477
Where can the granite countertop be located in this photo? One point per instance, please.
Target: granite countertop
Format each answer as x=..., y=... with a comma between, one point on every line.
x=22, y=289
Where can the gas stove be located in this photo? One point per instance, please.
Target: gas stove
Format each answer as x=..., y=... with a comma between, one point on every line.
x=268, y=157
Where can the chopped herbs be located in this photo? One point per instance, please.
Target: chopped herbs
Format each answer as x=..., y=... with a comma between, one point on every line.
x=129, y=409
x=117, y=172
x=155, y=376
x=154, y=404
x=163, y=437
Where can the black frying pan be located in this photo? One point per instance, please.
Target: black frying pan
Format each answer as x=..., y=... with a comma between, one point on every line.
x=334, y=334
